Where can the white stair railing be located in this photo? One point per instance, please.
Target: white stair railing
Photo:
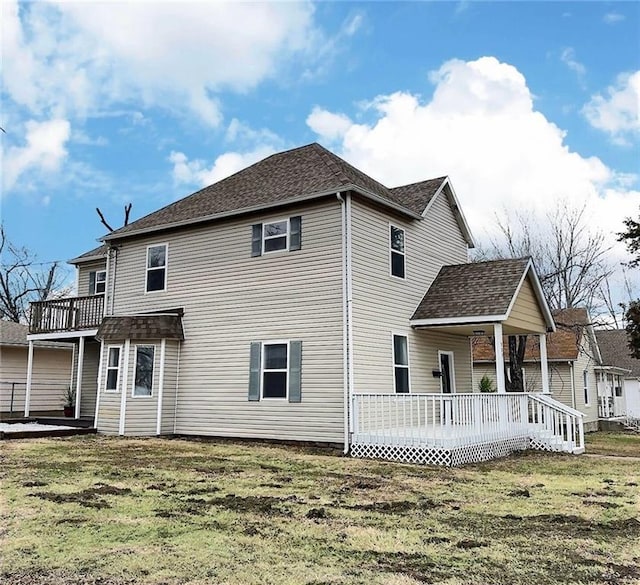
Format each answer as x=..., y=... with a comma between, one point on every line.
x=555, y=426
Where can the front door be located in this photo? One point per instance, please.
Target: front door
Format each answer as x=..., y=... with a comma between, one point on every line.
x=447, y=381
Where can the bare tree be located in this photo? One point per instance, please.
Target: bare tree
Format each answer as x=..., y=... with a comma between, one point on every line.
x=103, y=221
x=571, y=260
x=22, y=280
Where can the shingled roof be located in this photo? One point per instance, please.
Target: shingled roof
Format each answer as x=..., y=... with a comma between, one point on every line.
x=615, y=350
x=15, y=335
x=480, y=289
x=98, y=253
x=141, y=327
x=295, y=175
x=562, y=345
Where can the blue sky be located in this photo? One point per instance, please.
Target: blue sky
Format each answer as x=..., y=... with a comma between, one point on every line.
x=522, y=104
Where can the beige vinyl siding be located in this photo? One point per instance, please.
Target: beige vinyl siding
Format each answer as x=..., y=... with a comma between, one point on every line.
x=383, y=304
x=231, y=299
x=89, y=377
x=171, y=368
x=586, y=362
x=83, y=275
x=525, y=313
x=109, y=409
x=51, y=376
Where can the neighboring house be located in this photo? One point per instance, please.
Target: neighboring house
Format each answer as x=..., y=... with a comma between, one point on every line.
x=619, y=376
x=301, y=300
x=51, y=372
x=572, y=354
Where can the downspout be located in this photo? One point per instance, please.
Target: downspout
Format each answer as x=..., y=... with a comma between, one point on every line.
x=345, y=322
x=350, y=309
x=112, y=262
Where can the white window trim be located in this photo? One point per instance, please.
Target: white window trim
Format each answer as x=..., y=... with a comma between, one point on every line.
x=393, y=361
x=104, y=281
x=287, y=236
x=453, y=370
x=118, y=367
x=147, y=269
x=392, y=252
x=153, y=372
x=262, y=369
x=585, y=388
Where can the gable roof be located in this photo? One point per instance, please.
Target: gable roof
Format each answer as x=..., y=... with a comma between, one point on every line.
x=477, y=292
x=615, y=350
x=99, y=253
x=15, y=335
x=288, y=177
x=564, y=344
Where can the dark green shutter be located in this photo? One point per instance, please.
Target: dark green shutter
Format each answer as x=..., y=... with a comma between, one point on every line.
x=295, y=238
x=256, y=239
x=295, y=370
x=92, y=282
x=254, y=370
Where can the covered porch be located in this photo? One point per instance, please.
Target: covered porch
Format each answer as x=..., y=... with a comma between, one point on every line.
x=459, y=424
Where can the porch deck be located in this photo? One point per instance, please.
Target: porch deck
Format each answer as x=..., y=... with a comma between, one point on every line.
x=461, y=428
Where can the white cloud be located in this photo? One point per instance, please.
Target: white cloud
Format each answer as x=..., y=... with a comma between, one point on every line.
x=568, y=57
x=613, y=17
x=44, y=151
x=618, y=112
x=71, y=58
x=196, y=173
x=481, y=128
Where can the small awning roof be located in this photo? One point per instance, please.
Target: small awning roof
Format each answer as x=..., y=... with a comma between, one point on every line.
x=463, y=296
x=141, y=327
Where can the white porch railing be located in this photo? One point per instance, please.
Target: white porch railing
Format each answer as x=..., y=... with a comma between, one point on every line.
x=448, y=421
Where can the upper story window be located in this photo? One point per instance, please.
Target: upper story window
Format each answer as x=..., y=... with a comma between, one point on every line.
x=97, y=282
x=275, y=236
x=585, y=386
x=156, y=268
x=396, y=246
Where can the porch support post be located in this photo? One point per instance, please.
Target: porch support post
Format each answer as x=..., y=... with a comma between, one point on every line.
x=79, y=376
x=497, y=337
x=27, y=396
x=544, y=366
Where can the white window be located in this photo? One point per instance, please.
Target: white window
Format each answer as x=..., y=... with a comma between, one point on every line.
x=396, y=247
x=401, y=364
x=156, y=268
x=101, y=281
x=275, y=236
x=585, y=386
x=275, y=369
x=113, y=369
x=143, y=381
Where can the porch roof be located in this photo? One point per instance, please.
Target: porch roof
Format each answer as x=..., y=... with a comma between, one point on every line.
x=141, y=327
x=464, y=296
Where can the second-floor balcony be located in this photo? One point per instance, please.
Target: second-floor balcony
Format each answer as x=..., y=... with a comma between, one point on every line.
x=68, y=314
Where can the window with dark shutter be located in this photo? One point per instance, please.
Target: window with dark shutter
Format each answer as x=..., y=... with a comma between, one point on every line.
x=276, y=236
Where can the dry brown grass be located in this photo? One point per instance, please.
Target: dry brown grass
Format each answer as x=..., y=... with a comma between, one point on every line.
x=109, y=511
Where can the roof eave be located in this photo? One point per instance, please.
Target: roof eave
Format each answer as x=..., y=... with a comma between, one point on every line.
x=452, y=321
x=262, y=207
x=83, y=260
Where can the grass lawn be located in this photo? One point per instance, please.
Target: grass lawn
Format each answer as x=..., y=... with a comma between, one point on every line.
x=110, y=511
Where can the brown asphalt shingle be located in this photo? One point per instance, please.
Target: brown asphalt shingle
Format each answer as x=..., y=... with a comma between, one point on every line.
x=281, y=178
x=15, y=334
x=99, y=251
x=141, y=327
x=562, y=345
x=472, y=290
x=614, y=347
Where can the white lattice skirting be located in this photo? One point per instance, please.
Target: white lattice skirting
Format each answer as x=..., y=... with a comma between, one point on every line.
x=441, y=456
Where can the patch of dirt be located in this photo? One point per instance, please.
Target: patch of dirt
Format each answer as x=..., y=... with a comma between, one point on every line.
x=520, y=493
x=598, y=494
x=40, y=577
x=34, y=484
x=71, y=521
x=89, y=498
x=397, y=507
x=605, y=505
x=317, y=513
x=436, y=539
x=418, y=567
x=267, y=505
x=469, y=543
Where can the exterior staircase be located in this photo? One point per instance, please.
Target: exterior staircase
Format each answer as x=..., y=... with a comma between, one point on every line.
x=555, y=426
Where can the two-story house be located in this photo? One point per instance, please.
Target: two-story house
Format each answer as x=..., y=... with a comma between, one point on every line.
x=302, y=300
